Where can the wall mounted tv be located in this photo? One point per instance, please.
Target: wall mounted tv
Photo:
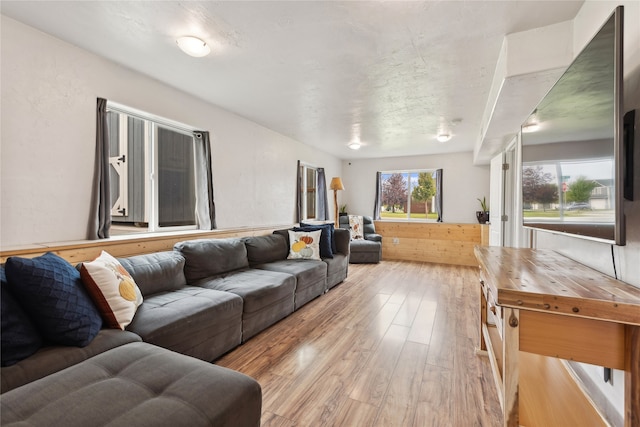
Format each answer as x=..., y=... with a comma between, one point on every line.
x=572, y=146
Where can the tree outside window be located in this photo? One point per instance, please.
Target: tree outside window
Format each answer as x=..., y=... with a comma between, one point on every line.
x=408, y=195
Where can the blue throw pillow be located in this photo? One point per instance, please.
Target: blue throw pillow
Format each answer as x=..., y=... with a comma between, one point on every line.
x=325, y=238
x=330, y=227
x=50, y=290
x=20, y=339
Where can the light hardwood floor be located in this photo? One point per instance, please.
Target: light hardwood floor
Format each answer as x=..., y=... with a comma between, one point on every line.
x=393, y=345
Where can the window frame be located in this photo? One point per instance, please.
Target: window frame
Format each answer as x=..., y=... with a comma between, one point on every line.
x=151, y=163
x=409, y=172
x=304, y=196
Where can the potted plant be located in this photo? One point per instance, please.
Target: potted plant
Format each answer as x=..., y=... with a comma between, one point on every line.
x=343, y=210
x=483, y=215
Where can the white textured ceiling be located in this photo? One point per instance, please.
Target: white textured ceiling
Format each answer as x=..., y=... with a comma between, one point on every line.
x=392, y=73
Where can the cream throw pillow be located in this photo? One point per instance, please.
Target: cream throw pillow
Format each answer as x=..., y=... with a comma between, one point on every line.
x=304, y=244
x=356, y=225
x=112, y=289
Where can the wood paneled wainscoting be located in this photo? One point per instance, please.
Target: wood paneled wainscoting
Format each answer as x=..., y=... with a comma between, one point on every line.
x=431, y=242
x=124, y=246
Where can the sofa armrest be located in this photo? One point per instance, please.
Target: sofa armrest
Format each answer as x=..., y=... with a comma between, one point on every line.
x=373, y=237
x=342, y=238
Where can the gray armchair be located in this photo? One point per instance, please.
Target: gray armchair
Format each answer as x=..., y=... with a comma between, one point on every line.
x=367, y=250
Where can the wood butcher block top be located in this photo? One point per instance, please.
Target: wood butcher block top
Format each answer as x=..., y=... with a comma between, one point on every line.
x=543, y=280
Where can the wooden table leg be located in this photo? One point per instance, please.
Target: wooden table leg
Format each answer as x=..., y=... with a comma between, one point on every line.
x=483, y=318
x=632, y=376
x=510, y=369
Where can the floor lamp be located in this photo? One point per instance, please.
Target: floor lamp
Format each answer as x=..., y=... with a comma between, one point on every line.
x=336, y=184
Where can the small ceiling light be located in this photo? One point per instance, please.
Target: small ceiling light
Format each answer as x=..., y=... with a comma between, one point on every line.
x=443, y=137
x=193, y=46
x=355, y=145
x=530, y=127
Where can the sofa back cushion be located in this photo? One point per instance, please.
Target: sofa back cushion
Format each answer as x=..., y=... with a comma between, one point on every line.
x=156, y=272
x=210, y=257
x=264, y=249
x=369, y=226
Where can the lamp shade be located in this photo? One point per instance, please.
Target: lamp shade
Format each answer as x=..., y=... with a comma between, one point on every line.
x=336, y=183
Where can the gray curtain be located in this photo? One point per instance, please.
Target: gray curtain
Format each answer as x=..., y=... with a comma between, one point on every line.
x=205, y=206
x=439, y=194
x=377, y=206
x=299, y=193
x=100, y=217
x=323, y=203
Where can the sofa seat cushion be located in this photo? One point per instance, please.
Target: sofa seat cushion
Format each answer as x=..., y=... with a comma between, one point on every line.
x=50, y=359
x=364, y=245
x=311, y=277
x=365, y=251
x=137, y=385
x=268, y=296
x=188, y=320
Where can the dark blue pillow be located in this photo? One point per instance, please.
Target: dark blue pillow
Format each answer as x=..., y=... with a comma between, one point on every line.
x=20, y=339
x=330, y=228
x=325, y=238
x=50, y=290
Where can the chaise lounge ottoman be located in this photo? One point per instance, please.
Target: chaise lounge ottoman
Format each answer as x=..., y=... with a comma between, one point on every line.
x=137, y=384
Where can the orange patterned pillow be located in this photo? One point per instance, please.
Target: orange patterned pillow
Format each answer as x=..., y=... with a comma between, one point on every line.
x=304, y=244
x=112, y=289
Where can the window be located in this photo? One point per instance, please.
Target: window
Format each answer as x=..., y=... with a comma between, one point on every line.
x=152, y=173
x=309, y=192
x=408, y=195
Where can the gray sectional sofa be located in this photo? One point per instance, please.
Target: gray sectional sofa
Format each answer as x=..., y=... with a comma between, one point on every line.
x=201, y=299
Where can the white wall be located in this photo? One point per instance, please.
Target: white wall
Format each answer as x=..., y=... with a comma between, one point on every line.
x=463, y=183
x=48, y=99
x=591, y=17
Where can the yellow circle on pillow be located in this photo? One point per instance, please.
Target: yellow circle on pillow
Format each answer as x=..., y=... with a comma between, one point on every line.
x=127, y=290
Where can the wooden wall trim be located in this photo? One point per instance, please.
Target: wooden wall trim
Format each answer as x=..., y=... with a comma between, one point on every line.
x=431, y=242
x=123, y=246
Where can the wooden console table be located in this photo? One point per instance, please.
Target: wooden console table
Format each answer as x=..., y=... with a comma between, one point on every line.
x=541, y=302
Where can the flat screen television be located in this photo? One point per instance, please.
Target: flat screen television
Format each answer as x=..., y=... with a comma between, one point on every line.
x=572, y=177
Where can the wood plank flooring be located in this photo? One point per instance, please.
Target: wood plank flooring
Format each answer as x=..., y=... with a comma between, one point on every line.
x=393, y=345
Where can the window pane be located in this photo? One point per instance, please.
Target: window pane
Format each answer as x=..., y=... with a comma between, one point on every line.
x=311, y=193
x=176, y=183
x=408, y=195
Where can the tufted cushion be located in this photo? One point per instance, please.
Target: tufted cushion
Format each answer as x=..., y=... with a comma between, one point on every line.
x=326, y=237
x=261, y=249
x=209, y=257
x=112, y=289
x=20, y=339
x=51, y=292
x=156, y=272
x=304, y=244
x=136, y=384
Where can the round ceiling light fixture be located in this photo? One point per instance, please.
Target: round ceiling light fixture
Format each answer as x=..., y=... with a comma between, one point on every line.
x=193, y=46
x=530, y=127
x=443, y=137
x=355, y=145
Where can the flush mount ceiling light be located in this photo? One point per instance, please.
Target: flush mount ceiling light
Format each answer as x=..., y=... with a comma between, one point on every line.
x=355, y=145
x=193, y=46
x=530, y=127
x=443, y=137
